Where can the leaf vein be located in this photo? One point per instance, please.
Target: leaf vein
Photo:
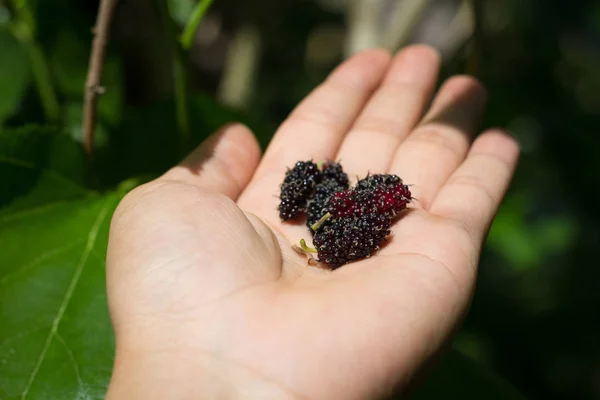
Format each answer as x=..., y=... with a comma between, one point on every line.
x=91, y=241
x=43, y=257
x=73, y=360
x=30, y=211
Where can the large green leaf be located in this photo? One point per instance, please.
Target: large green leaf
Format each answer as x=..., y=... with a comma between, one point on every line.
x=56, y=339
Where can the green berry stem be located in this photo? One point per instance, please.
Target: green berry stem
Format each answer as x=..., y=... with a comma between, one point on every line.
x=320, y=222
x=306, y=248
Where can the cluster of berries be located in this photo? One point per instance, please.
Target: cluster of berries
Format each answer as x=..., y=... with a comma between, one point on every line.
x=347, y=224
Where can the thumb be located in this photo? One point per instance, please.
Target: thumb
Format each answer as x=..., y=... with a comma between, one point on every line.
x=223, y=163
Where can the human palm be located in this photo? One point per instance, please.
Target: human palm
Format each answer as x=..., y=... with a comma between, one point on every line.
x=208, y=297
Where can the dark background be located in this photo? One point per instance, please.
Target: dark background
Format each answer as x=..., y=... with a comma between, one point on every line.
x=535, y=318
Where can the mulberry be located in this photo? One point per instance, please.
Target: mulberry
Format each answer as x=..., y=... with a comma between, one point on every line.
x=316, y=207
x=297, y=188
x=334, y=180
x=333, y=172
x=381, y=194
x=347, y=224
x=348, y=239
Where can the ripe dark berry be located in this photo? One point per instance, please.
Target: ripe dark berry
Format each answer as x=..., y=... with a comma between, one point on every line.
x=381, y=194
x=333, y=172
x=372, y=181
x=352, y=238
x=333, y=180
x=316, y=207
x=297, y=187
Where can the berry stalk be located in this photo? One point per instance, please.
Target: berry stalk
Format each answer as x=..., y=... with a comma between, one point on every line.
x=315, y=227
x=306, y=248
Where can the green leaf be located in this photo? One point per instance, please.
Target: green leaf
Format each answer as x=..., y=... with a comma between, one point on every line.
x=56, y=339
x=15, y=74
x=41, y=162
x=456, y=376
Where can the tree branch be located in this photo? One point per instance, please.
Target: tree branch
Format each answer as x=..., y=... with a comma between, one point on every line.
x=94, y=78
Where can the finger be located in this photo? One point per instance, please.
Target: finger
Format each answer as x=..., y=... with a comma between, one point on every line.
x=223, y=163
x=392, y=112
x=316, y=127
x=472, y=195
x=440, y=143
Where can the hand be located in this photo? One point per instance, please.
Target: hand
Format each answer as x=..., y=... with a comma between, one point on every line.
x=208, y=298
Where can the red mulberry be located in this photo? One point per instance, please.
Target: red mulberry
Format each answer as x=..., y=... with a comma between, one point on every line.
x=381, y=194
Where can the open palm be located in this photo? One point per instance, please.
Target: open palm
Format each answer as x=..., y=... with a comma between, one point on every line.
x=208, y=297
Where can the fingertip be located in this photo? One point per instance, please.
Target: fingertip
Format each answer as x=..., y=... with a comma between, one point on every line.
x=460, y=85
x=245, y=139
x=364, y=69
x=460, y=102
x=238, y=149
x=378, y=55
x=499, y=142
x=415, y=65
x=422, y=52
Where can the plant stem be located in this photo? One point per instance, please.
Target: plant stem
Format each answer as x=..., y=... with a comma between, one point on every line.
x=179, y=75
x=306, y=248
x=93, y=82
x=24, y=30
x=187, y=38
x=320, y=222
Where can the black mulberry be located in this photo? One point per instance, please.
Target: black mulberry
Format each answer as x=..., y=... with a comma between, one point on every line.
x=333, y=172
x=344, y=240
x=333, y=180
x=297, y=187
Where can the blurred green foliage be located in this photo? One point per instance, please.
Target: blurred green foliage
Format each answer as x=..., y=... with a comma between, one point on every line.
x=534, y=318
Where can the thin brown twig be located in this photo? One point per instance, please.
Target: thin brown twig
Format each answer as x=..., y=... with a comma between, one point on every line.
x=93, y=85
